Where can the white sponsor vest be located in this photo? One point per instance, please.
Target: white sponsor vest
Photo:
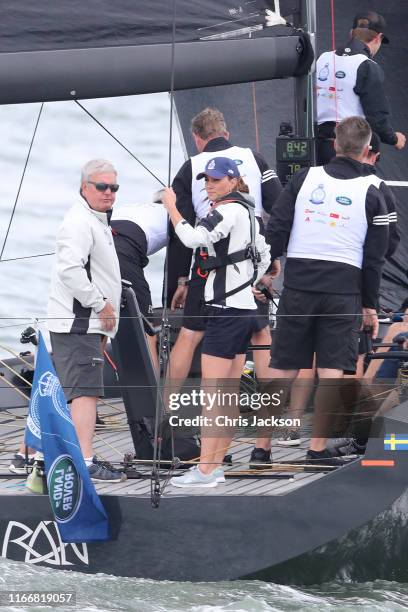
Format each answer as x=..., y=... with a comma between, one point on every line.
x=248, y=168
x=336, y=77
x=330, y=222
x=151, y=218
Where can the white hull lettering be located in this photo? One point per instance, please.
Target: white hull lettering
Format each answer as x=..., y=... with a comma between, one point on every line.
x=18, y=534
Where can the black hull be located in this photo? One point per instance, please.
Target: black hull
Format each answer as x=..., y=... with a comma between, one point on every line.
x=332, y=526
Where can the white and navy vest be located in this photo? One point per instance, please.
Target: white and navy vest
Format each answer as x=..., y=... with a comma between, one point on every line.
x=330, y=221
x=151, y=218
x=248, y=169
x=336, y=77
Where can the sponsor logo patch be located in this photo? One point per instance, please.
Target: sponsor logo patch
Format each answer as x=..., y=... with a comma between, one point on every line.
x=65, y=488
x=344, y=200
x=323, y=73
x=318, y=195
x=340, y=74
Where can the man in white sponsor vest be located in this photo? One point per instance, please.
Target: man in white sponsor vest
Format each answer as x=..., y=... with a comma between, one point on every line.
x=300, y=394
x=210, y=135
x=334, y=221
x=350, y=83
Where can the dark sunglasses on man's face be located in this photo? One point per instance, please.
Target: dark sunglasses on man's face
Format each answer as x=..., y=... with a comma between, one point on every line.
x=105, y=186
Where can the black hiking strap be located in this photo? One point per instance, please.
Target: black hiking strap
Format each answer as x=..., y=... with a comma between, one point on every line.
x=254, y=256
x=215, y=262
x=231, y=292
x=250, y=252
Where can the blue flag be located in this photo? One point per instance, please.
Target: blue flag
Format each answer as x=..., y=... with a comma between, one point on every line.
x=77, y=508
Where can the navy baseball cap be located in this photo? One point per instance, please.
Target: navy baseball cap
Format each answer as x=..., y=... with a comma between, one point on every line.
x=218, y=167
x=371, y=21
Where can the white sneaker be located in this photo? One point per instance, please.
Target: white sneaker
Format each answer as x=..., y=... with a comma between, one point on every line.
x=194, y=478
x=291, y=438
x=219, y=472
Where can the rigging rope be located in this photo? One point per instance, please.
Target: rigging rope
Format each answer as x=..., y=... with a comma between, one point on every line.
x=119, y=142
x=255, y=116
x=21, y=181
x=27, y=257
x=156, y=489
x=334, y=87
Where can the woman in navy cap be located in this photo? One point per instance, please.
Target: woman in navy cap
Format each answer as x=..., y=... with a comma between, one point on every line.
x=234, y=257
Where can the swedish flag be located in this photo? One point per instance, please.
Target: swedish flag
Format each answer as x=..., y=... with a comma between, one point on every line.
x=396, y=442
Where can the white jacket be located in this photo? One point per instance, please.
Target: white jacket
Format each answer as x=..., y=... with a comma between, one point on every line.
x=225, y=230
x=86, y=273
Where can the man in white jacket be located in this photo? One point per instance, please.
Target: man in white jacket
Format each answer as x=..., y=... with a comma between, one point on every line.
x=84, y=301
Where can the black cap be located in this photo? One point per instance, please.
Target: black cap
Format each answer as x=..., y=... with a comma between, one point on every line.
x=375, y=143
x=371, y=21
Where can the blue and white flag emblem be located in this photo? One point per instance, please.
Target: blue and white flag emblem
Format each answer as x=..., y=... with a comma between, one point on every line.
x=77, y=508
x=396, y=442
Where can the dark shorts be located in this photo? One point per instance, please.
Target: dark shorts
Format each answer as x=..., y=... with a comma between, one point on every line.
x=196, y=312
x=228, y=332
x=329, y=326
x=78, y=360
x=131, y=248
x=261, y=316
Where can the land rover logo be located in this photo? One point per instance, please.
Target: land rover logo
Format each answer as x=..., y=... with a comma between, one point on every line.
x=65, y=488
x=340, y=74
x=343, y=200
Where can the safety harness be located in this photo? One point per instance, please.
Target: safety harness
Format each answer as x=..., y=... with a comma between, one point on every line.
x=208, y=263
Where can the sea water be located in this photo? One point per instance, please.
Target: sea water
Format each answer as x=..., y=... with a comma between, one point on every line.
x=101, y=593
x=66, y=139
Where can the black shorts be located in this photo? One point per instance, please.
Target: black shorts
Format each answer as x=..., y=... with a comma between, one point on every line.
x=261, y=316
x=196, y=312
x=328, y=326
x=228, y=332
x=131, y=250
x=78, y=360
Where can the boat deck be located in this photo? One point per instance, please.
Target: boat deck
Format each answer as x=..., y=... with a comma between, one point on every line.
x=113, y=439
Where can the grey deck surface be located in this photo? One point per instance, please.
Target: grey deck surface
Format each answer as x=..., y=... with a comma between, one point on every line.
x=113, y=440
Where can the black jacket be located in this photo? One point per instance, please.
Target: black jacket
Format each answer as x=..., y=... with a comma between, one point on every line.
x=391, y=201
x=328, y=276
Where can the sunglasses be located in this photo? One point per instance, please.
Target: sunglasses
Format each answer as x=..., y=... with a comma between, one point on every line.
x=105, y=186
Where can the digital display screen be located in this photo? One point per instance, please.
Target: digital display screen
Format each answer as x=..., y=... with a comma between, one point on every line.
x=289, y=149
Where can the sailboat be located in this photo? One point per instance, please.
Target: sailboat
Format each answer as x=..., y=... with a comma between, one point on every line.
x=294, y=525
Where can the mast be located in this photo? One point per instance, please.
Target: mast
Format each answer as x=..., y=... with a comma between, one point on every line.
x=304, y=88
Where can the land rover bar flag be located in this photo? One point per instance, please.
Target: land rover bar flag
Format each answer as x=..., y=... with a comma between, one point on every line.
x=77, y=508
